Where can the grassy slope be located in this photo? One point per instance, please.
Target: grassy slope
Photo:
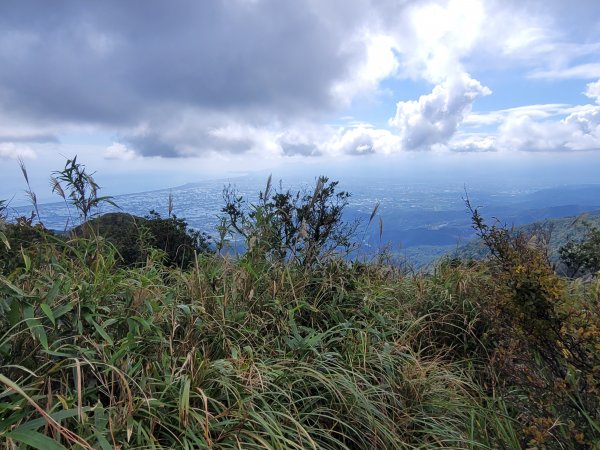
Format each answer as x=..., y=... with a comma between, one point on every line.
x=250, y=354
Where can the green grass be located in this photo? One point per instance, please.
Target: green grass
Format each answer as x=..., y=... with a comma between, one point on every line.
x=242, y=353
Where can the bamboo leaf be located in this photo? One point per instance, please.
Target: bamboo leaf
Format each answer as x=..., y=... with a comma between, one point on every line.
x=35, y=440
x=14, y=314
x=53, y=292
x=12, y=287
x=184, y=402
x=48, y=311
x=103, y=442
x=62, y=310
x=101, y=331
x=58, y=416
x=35, y=326
x=4, y=240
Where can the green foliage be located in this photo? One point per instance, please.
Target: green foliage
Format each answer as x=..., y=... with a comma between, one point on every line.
x=75, y=185
x=172, y=236
x=3, y=239
x=21, y=241
x=305, y=227
x=544, y=339
x=136, y=237
x=281, y=349
x=555, y=232
x=582, y=257
x=125, y=231
x=228, y=355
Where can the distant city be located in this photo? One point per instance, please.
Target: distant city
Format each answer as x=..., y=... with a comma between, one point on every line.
x=419, y=222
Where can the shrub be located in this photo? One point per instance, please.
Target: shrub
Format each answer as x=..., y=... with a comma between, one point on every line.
x=544, y=340
x=582, y=258
x=304, y=227
x=134, y=237
x=173, y=236
x=282, y=349
x=21, y=242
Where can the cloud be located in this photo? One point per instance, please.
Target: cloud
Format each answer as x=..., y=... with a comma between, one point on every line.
x=171, y=81
x=542, y=111
x=11, y=150
x=32, y=138
x=118, y=151
x=549, y=39
x=380, y=62
x=585, y=71
x=593, y=91
x=579, y=130
x=363, y=140
x=303, y=140
x=440, y=34
x=265, y=55
x=420, y=124
x=537, y=128
x=189, y=133
x=262, y=77
x=585, y=129
x=435, y=117
x=150, y=143
x=473, y=143
x=521, y=133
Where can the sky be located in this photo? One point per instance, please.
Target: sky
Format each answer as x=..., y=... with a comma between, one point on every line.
x=152, y=94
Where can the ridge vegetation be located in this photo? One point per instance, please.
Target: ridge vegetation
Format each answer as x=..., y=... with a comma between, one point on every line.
x=288, y=344
x=572, y=243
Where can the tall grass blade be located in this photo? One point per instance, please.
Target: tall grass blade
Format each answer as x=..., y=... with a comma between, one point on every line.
x=35, y=440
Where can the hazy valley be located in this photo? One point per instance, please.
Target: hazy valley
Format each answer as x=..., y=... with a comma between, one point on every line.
x=419, y=222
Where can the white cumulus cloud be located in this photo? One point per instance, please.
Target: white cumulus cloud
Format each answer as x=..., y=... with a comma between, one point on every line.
x=473, y=143
x=578, y=130
x=119, y=151
x=11, y=150
x=363, y=140
x=593, y=91
x=434, y=118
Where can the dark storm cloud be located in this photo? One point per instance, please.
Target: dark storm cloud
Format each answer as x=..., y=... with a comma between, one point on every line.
x=166, y=143
x=152, y=144
x=114, y=62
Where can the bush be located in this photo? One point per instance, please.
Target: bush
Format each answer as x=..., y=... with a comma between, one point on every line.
x=21, y=242
x=289, y=345
x=544, y=341
x=582, y=258
x=303, y=227
x=172, y=236
x=134, y=237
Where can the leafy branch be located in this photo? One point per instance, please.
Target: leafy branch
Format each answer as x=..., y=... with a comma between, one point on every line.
x=79, y=188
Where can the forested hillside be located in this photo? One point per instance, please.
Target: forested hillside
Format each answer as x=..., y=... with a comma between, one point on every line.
x=552, y=234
